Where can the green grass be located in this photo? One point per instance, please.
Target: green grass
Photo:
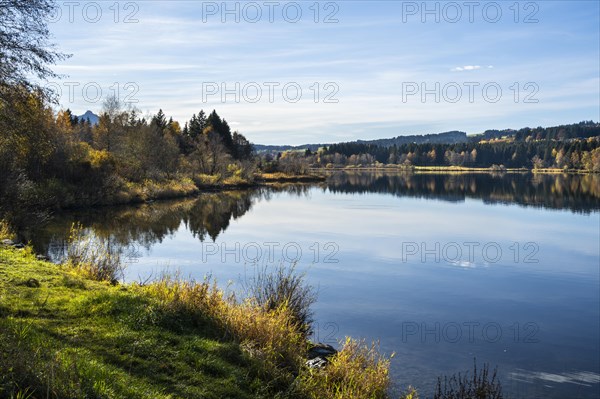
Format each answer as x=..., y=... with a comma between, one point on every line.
x=71, y=337
x=63, y=335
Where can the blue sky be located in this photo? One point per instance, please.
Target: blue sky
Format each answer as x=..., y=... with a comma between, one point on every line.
x=380, y=69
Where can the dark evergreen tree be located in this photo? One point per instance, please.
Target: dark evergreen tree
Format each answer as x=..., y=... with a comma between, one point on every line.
x=243, y=148
x=160, y=120
x=222, y=129
x=197, y=125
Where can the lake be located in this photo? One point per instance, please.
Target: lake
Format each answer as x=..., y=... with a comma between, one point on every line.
x=440, y=268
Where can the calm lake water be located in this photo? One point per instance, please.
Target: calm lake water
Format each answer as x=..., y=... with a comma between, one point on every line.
x=441, y=269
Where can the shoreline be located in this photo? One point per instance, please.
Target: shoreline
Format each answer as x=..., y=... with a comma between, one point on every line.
x=451, y=170
x=152, y=191
x=138, y=194
x=166, y=193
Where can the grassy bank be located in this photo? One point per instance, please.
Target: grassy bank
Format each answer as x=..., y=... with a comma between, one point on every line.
x=151, y=190
x=65, y=335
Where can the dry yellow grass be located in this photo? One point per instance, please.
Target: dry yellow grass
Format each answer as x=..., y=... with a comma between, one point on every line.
x=358, y=371
x=283, y=177
x=5, y=231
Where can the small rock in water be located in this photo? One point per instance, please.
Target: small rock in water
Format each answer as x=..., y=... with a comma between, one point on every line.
x=317, y=363
x=7, y=242
x=42, y=257
x=18, y=246
x=321, y=350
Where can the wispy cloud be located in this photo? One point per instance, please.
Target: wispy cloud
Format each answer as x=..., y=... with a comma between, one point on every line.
x=469, y=68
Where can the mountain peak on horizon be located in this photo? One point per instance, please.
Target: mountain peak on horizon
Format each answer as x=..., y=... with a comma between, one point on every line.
x=91, y=117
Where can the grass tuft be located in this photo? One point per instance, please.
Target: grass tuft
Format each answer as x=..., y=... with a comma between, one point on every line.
x=93, y=257
x=283, y=287
x=480, y=385
x=357, y=371
x=5, y=231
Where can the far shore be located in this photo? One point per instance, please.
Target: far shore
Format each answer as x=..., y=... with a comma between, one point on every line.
x=448, y=169
x=152, y=191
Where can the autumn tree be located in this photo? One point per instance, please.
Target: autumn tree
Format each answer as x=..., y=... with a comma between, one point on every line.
x=26, y=129
x=25, y=48
x=211, y=154
x=293, y=163
x=111, y=125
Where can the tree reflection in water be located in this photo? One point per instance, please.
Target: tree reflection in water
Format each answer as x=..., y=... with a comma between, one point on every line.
x=128, y=229
x=577, y=193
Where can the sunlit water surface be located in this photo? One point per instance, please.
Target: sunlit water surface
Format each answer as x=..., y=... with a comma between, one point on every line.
x=440, y=269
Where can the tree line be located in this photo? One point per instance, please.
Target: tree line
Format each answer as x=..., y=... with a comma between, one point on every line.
x=155, y=147
x=528, y=148
x=53, y=159
x=581, y=130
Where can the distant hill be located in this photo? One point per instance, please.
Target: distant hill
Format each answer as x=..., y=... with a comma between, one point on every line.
x=453, y=137
x=581, y=130
x=91, y=117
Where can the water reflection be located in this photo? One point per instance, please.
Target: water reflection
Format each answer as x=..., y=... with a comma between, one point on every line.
x=210, y=214
x=578, y=193
x=127, y=227
x=372, y=293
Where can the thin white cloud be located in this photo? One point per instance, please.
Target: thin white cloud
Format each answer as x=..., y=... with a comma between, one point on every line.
x=464, y=264
x=466, y=68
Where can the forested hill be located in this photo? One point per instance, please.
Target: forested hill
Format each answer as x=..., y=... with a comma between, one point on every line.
x=581, y=130
x=575, y=146
x=453, y=137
